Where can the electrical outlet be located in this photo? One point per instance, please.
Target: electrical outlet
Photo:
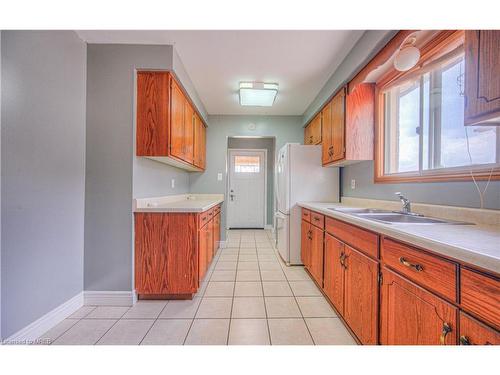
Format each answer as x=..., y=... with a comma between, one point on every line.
x=219, y=176
x=173, y=183
x=353, y=184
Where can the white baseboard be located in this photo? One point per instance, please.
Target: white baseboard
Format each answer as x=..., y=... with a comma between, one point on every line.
x=222, y=244
x=269, y=227
x=109, y=298
x=34, y=330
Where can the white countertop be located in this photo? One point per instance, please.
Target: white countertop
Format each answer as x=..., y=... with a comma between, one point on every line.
x=478, y=245
x=178, y=203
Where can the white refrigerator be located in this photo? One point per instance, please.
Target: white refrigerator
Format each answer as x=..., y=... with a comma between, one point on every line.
x=300, y=177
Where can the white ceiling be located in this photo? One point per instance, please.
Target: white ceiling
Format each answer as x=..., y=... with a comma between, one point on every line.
x=216, y=61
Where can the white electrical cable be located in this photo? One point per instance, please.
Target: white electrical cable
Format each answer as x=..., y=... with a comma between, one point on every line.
x=483, y=192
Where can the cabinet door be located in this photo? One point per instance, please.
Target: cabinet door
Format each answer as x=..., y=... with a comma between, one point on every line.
x=197, y=158
x=333, y=280
x=203, y=146
x=166, y=257
x=216, y=232
x=482, y=75
x=305, y=244
x=326, y=134
x=361, y=295
x=316, y=257
x=203, y=252
x=338, y=126
x=152, y=113
x=410, y=315
x=177, y=108
x=210, y=241
x=316, y=130
x=188, y=137
x=308, y=138
x=473, y=332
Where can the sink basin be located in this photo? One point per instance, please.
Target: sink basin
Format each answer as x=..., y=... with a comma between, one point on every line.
x=396, y=218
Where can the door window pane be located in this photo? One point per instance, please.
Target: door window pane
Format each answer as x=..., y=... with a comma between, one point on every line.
x=246, y=164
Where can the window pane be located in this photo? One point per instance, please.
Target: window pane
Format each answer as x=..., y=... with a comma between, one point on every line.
x=247, y=164
x=402, y=119
x=453, y=141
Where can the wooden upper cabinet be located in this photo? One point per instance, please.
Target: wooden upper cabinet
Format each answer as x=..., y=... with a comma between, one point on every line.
x=327, y=134
x=178, y=110
x=338, y=126
x=361, y=295
x=482, y=76
x=153, y=98
x=199, y=142
x=410, y=315
x=312, y=132
x=188, y=137
x=348, y=126
x=167, y=122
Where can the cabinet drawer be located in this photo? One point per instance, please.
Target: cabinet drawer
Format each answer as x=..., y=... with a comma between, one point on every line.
x=203, y=219
x=317, y=220
x=473, y=332
x=306, y=215
x=211, y=213
x=425, y=269
x=361, y=239
x=480, y=295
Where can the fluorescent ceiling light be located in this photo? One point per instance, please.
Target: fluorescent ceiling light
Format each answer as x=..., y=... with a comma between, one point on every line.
x=258, y=94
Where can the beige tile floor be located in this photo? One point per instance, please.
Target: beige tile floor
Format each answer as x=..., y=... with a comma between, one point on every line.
x=249, y=296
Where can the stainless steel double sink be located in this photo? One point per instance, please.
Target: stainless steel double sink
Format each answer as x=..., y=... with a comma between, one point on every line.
x=393, y=217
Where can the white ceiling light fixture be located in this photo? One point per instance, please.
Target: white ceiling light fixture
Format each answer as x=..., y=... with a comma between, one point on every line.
x=258, y=94
x=407, y=56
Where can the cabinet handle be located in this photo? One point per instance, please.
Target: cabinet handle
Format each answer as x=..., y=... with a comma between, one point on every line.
x=444, y=333
x=464, y=340
x=342, y=259
x=309, y=235
x=416, y=267
x=316, y=218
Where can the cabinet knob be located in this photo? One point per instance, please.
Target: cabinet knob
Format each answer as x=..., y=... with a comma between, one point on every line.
x=464, y=340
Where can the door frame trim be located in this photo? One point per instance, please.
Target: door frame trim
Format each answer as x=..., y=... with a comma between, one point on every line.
x=229, y=176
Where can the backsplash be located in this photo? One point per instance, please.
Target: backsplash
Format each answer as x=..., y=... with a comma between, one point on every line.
x=461, y=193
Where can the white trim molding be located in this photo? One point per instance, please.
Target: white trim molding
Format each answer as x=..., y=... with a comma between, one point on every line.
x=269, y=227
x=222, y=244
x=109, y=298
x=30, y=333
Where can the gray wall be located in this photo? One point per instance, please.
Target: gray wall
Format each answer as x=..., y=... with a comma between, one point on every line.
x=43, y=173
x=284, y=128
x=114, y=175
x=461, y=193
x=267, y=144
x=365, y=48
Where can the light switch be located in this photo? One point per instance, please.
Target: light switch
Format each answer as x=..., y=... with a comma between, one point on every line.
x=219, y=176
x=173, y=183
x=353, y=184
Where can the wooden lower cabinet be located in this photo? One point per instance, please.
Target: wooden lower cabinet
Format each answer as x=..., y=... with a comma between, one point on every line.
x=173, y=252
x=410, y=315
x=305, y=244
x=473, y=332
x=333, y=279
x=361, y=295
x=166, y=254
x=316, y=254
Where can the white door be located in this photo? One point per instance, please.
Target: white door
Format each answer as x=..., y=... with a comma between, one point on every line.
x=247, y=189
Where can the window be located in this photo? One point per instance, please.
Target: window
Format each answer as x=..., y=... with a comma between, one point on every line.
x=421, y=132
x=247, y=164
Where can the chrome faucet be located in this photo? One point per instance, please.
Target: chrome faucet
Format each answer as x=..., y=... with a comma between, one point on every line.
x=406, y=203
